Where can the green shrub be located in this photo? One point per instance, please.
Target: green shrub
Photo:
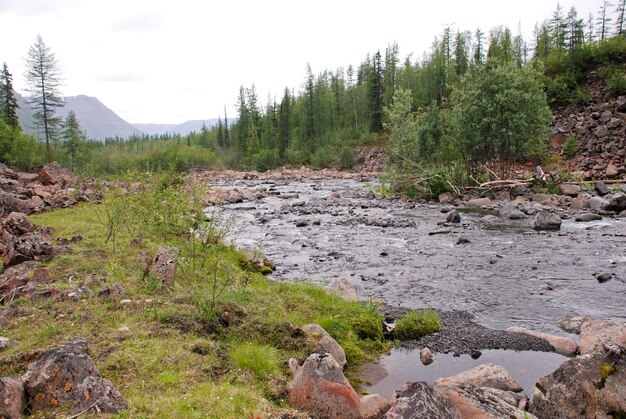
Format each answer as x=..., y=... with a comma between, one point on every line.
x=438, y=182
x=369, y=325
x=616, y=83
x=262, y=360
x=347, y=158
x=570, y=148
x=416, y=324
x=266, y=160
x=323, y=158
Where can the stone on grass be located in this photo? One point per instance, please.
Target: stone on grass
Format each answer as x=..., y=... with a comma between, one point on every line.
x=12, y=398
x=30, y=246
x=98, y=393
x=324, y=342
x=344, y=289
x=17, y=223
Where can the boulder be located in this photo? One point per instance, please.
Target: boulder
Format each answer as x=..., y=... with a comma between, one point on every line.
x=583, y=387
x=30, y=246
x=344, y=289
x=58, y=375
x=483, y=402
x=54, y=174
x=580, y=202
x=426, y=356
x=485, y=375
x=561, y=344
x=617, y=202
x=593, y=333
x=452, y=217
x=98, y=393
x=478, y=202
x=6, y=343
x=111, y=291
x=12, y=398
x=601, y=188
x=545, y=220
x=257, y=260
x=164, y=265
x=572, y=324
x=611, y=170
x=17, y=223
x=324, y=343
x=419, y=400
x=320, y=388
x=587, y=217
x=511, y=211
x=569, y=189
x=598, y=203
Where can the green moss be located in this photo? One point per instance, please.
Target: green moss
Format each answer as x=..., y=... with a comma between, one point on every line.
x=606, y=369
x=416, y=324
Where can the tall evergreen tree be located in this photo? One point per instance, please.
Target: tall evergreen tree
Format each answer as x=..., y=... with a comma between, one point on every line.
x=390, y=73
x=558, y=28
x=478, y=48
x=284, y=124
x=44, y=78
x=220, y=132
x=375, y=93
x=603, y=20
x=461, y=58
x=74, y=139
x=620, y=14
x=242, y=124
x=226, y=129
x=8, y=103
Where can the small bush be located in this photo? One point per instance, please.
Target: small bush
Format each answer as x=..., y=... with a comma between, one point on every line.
x=616, y=84
x=262, y=360
x=347, y=158
x=322, y=158
x=415, y=324
x=369, y=325
x=438, y=182
x=570, y=148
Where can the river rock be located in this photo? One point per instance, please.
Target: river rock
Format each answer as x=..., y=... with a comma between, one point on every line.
x=587, y=217
x=617, y=202
x=96, y=391
x=601, y=188
x=569, y=189
x=483, y=402
x=545, y=220
x=12, y=398
x=485, y=375
x=598, y=203
x=419, y=400
x=344, y=289
x=561, y=344
x=426, y=356
x=451, y=217
x=603, y=277
x=17, y=223
x=577, y=389
x=320, y=388
x=511, y=211
x=57, y=376
x=572, y=324
x=325, y=343
x=478, y=202
x=593, y=333
x=580, y=202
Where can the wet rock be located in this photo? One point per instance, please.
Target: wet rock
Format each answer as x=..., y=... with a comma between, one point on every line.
x=56, y=377
x=419, y=400
x=99, y=394
x=320, y=388
x=598, y=203
x=569, y=189
x=582, y=388
x=463, y=240
x=12, y=398
x=545, y=220
x=511, y=211
x=30, y=246
x=617, y=202
x=580, y=202
x=587, y=217
x=593, y=333
x=302, y=222
x=543, y=288
x=452, y=217
x=485, y=375
x=17, y=223
x=601, y=188
x=572, y=324
x=478, y=202
x=426, y=356
x=324, y=343
x=483, y=402
x=562, y=345
x=345, y=289
x=603, y=277
x=445, y=197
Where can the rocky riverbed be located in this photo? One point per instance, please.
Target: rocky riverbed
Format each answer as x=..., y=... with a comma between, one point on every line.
x=502, y=271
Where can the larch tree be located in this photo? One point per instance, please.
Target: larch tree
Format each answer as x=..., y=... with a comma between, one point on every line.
x=8, y=103
x=73, y=138
x=44, y=79
x=619, y=22
x=603, y=20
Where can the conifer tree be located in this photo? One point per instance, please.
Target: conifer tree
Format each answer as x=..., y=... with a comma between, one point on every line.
x=603, y=20
x=226, y=130
x=619, y=22
x=8, y=103
x=375, y=94
x=73, y=139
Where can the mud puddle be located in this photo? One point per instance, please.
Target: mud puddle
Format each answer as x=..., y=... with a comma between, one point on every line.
x=394, y=251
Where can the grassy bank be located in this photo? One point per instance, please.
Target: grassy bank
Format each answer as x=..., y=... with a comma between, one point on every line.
x=213, y=344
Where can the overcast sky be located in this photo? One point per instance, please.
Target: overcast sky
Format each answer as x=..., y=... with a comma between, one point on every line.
x=171, y=61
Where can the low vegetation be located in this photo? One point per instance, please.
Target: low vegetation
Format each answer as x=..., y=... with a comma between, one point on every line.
x=416, y=324
x=206, y=345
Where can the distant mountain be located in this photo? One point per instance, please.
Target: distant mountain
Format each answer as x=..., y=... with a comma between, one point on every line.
x=181, y=129
x=98, y=121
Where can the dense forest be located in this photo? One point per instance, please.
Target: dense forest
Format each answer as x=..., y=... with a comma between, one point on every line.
x=476, y=102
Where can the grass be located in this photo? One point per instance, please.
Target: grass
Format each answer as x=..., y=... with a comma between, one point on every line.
x=416, y=324
x=168, y=357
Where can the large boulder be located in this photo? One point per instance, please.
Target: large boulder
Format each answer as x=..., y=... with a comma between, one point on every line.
x=30, y=246
x=483, y=402
x=617, y=202
x=569, y=189
x=593, y=333
x=598, y=203
x=12, y=398
x=592, y=386
x=485, y=375
x=344, y=289
x=54, y=174
x=561, y=344
x=478, y=202
x=17, y=223
x=324, y=342
x=419, y=400
x=545, y=220
x=98, y=392
x=511, y=211
x=320, y=388
x=58, y=375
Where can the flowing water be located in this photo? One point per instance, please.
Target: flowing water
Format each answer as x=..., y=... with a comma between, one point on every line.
x=387, y=248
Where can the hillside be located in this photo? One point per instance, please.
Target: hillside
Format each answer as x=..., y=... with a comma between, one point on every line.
x=181, y=129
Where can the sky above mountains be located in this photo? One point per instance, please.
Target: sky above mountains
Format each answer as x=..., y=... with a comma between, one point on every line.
x=167, y=62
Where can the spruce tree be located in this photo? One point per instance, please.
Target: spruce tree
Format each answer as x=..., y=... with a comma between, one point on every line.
x=44, y=79
x=226, y=130
x=375, y=93
x=73, y=139
x=8, y=103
